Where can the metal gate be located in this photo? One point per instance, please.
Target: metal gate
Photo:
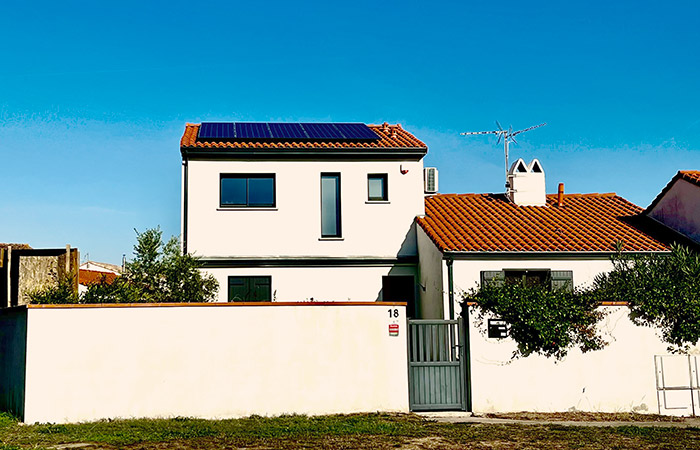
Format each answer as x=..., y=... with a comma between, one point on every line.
x=677, y=384
x=436, y=365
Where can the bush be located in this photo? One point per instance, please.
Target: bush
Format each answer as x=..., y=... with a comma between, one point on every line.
x=663, y=291
x=542, y=321
x=158, y=273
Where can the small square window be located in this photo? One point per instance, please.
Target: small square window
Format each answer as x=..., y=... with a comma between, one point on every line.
x=377, y=188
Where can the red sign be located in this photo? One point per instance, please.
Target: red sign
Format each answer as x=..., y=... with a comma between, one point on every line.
x=393, y=329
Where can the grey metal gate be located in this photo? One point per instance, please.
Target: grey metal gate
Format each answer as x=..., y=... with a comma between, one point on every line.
x=436, y=365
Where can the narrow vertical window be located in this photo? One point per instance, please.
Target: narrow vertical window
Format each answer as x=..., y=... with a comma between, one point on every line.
x=330, y=205
x=377, y=187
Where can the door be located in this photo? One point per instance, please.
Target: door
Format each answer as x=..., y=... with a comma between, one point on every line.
x=400, y=288
x=437, y=371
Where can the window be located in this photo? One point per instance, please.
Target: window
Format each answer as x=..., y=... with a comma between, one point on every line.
x=555, y=279
x=330, y=205
x=249, y=289
x=248, y=190
x=377, y=190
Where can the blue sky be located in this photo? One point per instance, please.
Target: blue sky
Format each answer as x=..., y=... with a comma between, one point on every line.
x=94, y=97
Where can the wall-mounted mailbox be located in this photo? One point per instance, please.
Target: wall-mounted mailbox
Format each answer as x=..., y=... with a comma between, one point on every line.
x=497, y=328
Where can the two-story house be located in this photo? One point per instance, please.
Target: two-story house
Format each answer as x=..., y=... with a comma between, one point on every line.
x=304, y=211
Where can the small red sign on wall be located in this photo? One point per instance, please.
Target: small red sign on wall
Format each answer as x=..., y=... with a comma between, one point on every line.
x=393, y=329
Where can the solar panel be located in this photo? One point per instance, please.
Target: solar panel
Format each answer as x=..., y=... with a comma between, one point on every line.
x=356, y=131
x=216, y=130
x=287, y=131
x=324, y=131
x=252, y=130
x=291, y=131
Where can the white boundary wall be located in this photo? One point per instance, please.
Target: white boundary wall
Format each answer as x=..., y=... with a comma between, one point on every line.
x=621, y=377
x=213, y=361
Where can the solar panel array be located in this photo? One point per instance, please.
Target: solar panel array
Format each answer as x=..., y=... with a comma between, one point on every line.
x=288, y=131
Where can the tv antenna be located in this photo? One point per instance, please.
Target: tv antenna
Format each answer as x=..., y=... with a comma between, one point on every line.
x=508, y=136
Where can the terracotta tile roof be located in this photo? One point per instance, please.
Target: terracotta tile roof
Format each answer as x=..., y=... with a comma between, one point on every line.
x=691, y=176
x=490, y=223
x=391, y=137
x=86, y=277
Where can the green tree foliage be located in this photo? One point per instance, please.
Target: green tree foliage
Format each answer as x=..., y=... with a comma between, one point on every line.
x=159, y=273
x=663, y=291
x=62, y=292
x=541, y=320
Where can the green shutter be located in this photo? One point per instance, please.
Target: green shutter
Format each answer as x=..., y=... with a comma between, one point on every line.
x=261, y=289
x=237, y=289
x=562, y=279
x=492, y=276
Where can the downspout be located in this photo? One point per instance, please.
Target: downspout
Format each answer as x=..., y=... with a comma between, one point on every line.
x=184, y=204
x=450, y=289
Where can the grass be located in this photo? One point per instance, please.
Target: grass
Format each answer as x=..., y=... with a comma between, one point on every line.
x=371, y=431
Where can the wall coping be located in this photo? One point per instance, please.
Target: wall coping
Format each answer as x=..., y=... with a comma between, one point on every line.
x=216, y=304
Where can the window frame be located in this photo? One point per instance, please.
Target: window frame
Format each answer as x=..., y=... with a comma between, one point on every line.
x=385, y=187
x=247, y=177
x=338, y=206
x=251, y=284
x=555, y=278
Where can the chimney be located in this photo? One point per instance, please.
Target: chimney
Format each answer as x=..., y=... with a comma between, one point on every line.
x=560, y=195
x=526, y=183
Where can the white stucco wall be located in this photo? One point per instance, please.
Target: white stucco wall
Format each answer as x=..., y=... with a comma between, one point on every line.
x=679, y=209
x=297, y=284
x=293, y=227
x=431, y=269
x=620, y=377
x=212, y=361
x=467, y=273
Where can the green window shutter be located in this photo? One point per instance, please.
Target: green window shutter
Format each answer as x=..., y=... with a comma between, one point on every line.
x=492, y=276
x=562, y=279
x=237, y=289
x=261, y=289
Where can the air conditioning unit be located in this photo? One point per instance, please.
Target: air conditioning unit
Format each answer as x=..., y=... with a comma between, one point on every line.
x=430, y=180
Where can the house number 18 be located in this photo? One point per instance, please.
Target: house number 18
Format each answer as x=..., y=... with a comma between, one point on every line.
x=393, y=313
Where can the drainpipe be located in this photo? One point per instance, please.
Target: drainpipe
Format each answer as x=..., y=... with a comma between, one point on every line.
x=450, y=289
x=184, y=205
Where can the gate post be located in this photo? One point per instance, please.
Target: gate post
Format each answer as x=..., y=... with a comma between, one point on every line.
x=467, y=355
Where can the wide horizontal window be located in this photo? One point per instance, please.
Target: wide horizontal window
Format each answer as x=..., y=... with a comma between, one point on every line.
x=555, y=279
x=248, y=190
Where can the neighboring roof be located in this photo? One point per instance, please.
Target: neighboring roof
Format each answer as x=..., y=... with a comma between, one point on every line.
x=691, y=176
x=101, y=267
x=390, y=137
x=86, y=277
x=15, y=246
x=491, y=223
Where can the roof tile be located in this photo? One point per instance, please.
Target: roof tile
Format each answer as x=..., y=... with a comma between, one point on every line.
x=391, y=137
x=491, y=223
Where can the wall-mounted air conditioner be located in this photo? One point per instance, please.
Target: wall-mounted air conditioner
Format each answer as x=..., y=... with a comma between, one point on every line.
x=430, y=180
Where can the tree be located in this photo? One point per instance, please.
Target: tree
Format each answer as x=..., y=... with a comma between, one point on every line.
x=662, y=291
x=159, y=273
x=542, y=320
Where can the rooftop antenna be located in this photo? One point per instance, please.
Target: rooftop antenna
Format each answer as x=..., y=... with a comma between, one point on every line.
x=508, y=136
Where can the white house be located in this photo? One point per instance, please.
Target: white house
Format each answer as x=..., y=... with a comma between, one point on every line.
x=560, y=238
x=303, y=212
x=678, y=205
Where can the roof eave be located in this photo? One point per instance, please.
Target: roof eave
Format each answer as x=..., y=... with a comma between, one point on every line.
x=603, y=254
x=411, y=153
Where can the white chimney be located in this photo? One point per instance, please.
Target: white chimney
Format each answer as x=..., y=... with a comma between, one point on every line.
x=526, y=184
